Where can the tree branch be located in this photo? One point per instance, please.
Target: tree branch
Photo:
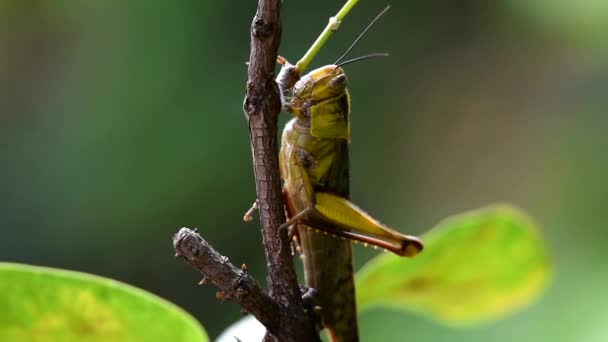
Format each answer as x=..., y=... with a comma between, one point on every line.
x=235, y=284
x=282, y=312
x=262, y=106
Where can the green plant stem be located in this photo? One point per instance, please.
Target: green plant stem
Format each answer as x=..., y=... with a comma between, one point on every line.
x=332, y=26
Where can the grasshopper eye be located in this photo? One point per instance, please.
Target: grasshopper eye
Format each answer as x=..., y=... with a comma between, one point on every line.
x=338, y=81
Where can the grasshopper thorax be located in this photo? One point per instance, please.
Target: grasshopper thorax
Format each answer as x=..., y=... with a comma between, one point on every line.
x=321, y=84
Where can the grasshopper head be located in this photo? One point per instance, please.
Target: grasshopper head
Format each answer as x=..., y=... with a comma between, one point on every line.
x=321, y=84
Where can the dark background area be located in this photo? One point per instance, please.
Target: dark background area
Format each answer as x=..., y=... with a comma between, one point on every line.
x=121, y=121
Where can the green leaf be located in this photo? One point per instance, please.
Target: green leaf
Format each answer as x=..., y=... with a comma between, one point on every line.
x=477, y=266
x=45, y=304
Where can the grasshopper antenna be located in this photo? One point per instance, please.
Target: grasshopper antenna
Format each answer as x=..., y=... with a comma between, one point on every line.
x=360, y=58
x=362, y=34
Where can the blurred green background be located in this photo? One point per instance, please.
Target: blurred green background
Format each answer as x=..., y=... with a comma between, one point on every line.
x=121, y=121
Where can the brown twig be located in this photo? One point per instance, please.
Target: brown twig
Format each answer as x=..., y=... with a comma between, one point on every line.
x=282, y=311
x=235, y=284
x=262, y=106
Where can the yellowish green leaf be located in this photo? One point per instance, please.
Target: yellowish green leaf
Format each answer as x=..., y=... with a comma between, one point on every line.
x=477, y=266
x=45, y=304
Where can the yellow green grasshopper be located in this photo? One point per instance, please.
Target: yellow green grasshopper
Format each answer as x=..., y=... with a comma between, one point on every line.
x=315, y=171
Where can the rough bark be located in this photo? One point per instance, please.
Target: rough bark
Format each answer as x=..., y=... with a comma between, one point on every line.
x=282, y=311
x=235, y=284
x=262, y=106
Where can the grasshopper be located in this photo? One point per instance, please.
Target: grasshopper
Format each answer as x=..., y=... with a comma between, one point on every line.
x=314, y=165
x=315, y=171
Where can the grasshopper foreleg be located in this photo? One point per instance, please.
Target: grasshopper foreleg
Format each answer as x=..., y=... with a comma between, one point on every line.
x=304, y=158
x=248, y=214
